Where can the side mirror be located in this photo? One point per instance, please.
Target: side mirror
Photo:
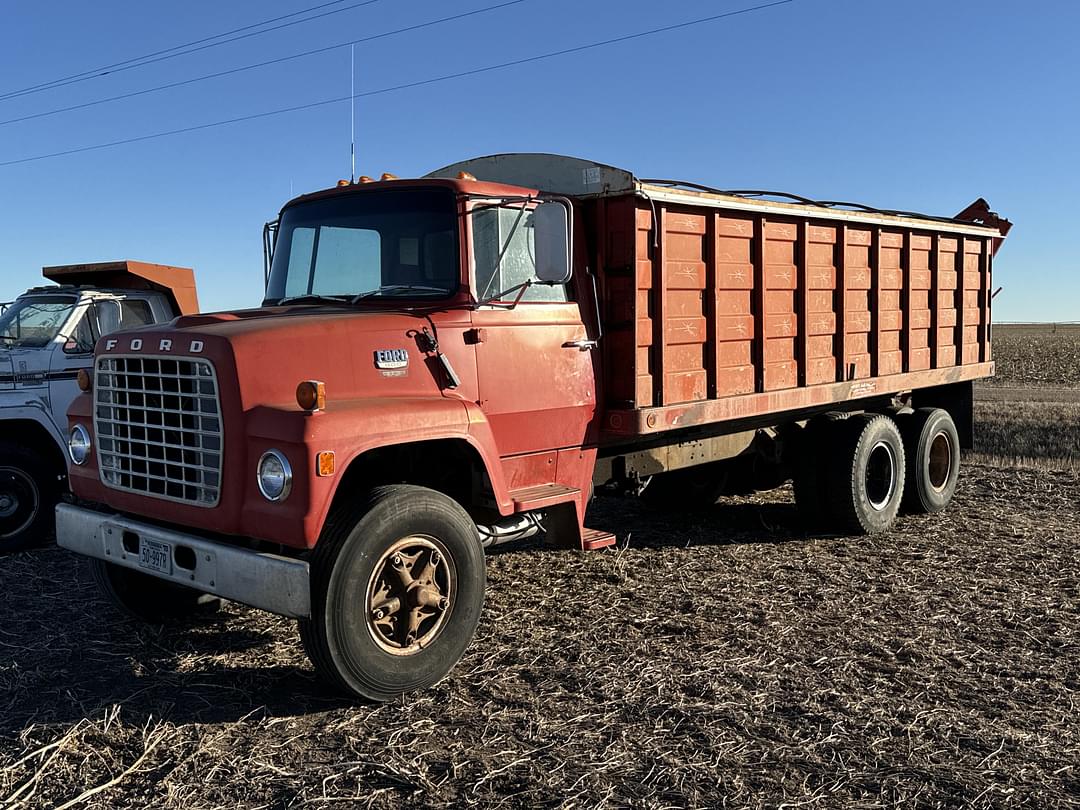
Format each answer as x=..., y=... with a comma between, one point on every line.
x=551, y=230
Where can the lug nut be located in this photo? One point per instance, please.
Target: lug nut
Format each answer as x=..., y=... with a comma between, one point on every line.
x=379, y=614
x=396, y=561
x=435, y=558
x=444, y=603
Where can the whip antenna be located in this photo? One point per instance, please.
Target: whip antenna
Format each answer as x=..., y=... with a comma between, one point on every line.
x=352, y=113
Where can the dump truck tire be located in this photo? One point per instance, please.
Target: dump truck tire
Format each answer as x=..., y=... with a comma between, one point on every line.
x=29, y=492
x=149, y=599
x=932, y=447
x=397, y=587
x=866, y=475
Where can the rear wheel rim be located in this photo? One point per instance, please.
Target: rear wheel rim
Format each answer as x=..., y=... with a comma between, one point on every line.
x=880, y=476
x=939, y=461
x=20, y=501
x=411, y=594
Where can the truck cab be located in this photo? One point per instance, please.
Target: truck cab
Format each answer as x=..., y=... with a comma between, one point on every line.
x=47, y=336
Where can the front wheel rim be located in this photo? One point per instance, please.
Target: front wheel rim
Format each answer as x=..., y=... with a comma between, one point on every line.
x=410, y=594
x=20, y=500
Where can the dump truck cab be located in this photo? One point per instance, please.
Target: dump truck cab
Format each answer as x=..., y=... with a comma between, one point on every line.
x=47, y=336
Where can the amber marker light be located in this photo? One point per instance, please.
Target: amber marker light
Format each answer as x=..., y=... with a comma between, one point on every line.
x=311, y=395
x=324, y=463
x=465, y=176
x=83, y=380
x=388, y=176
x=342, y=183
x=365, y=179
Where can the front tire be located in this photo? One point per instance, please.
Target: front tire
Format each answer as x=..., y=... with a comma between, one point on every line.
x=29, y=492
x=397, y=587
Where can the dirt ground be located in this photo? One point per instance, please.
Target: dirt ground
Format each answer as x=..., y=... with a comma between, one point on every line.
x=724, y=659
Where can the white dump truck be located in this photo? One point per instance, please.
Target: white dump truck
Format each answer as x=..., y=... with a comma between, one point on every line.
x=47, y=337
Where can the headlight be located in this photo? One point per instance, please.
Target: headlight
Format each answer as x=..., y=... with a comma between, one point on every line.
x=274, y=476
x=79, y=445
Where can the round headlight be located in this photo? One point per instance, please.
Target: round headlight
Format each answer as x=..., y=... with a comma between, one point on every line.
x=79, y=445
x=274, y=476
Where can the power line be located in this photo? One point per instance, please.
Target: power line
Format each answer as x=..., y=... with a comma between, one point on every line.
x=242, y=68
x=145, y=60
x=48, y=84
x=405, y=86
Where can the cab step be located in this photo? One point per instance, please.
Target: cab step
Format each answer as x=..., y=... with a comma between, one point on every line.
x=592, y=539
x=528, y=499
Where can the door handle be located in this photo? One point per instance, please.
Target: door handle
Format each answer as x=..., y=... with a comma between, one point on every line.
x=583, y=344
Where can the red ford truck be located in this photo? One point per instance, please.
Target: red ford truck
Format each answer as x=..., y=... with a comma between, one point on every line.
x=446, y=363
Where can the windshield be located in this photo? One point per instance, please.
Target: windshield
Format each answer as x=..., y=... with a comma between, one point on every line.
x=384, y=244
x=31, y=323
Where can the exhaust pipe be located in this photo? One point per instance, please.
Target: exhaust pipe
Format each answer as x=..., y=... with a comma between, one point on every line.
x=517, y=527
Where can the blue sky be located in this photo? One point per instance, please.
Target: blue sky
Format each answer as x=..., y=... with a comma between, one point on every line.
x=917, y=105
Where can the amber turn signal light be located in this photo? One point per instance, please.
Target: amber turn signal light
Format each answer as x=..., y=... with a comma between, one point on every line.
x=324, y=463
x=83, y=380
x=311, y=395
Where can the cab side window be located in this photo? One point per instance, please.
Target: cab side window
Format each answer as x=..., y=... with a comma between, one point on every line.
x=84, y=336
x=494, y=234
x=135, y=312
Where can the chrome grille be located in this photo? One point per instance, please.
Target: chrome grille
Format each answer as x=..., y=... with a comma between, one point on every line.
x=158, y=426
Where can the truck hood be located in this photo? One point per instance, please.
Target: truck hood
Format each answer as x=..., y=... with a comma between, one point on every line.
x=270, y=350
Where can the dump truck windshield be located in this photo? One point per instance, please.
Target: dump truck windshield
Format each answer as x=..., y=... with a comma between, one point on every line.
x=385, y=244
x=31, y=323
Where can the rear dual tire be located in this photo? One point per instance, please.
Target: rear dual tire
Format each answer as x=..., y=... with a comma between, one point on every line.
x=865, y=476
x=933, y=459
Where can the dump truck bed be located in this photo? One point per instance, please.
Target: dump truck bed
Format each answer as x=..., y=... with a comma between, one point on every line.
x=719, y=307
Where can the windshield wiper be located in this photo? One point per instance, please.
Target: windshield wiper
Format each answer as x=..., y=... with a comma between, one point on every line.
x=313, y=298
x=391, y=287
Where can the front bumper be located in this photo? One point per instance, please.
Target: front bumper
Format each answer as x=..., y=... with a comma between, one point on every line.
x=267, y=581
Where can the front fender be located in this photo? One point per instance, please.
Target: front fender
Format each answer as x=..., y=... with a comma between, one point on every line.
x=24, y=410
x=350, y=428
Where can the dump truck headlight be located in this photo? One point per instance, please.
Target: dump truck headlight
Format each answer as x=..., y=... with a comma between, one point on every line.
x=79, y=445
x=274, y=476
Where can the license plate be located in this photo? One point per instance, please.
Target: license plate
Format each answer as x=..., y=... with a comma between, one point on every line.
x=155, y=556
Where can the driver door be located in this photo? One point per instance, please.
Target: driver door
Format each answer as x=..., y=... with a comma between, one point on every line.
x=535, y=361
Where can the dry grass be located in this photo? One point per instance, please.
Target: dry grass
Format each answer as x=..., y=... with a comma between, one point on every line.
x=1030, y=430
x=717, y=660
